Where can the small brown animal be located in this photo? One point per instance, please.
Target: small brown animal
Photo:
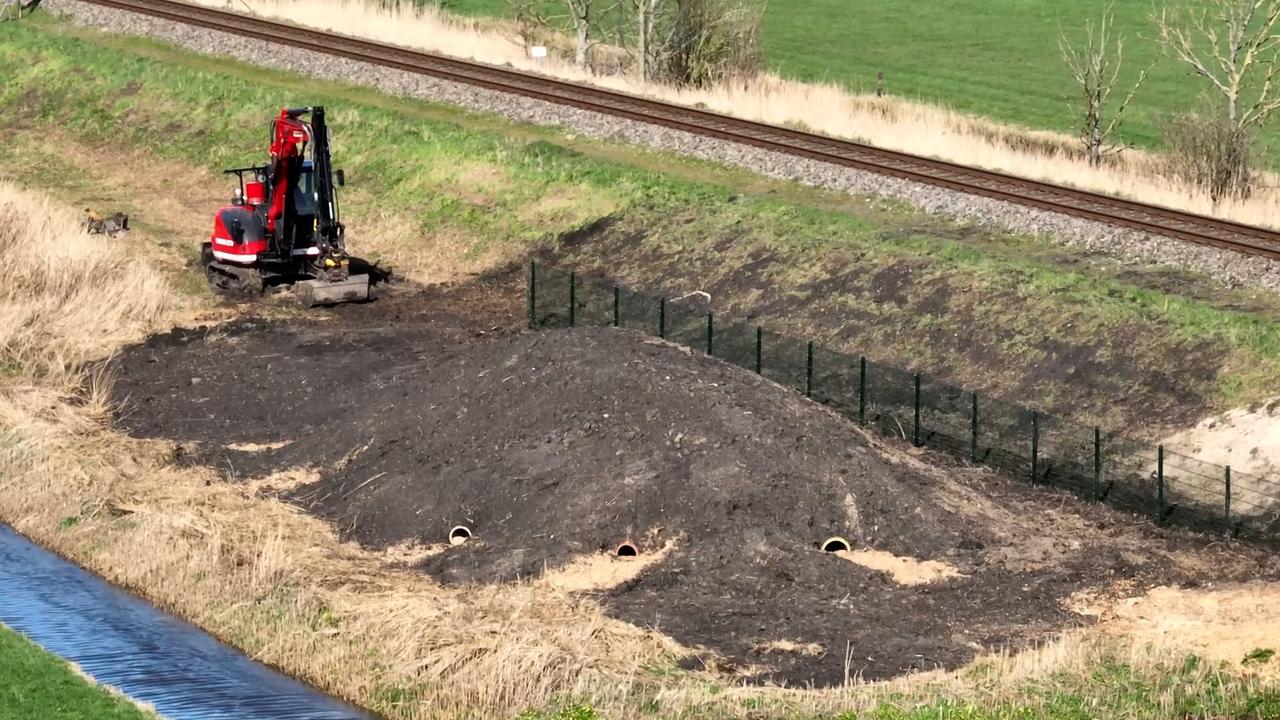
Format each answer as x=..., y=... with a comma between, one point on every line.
x=96, y=224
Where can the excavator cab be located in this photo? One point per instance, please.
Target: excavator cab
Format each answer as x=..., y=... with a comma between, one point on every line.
x=283, y=227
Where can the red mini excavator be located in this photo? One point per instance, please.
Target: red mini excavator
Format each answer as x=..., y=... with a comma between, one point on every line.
x=282, y=226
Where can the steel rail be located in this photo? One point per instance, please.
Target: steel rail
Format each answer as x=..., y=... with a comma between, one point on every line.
x=1215, y=232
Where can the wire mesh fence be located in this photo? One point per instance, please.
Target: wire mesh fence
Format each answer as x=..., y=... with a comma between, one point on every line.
x=1040, y=448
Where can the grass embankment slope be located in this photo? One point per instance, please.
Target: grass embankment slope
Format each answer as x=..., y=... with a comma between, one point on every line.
x=40, y=685
x=993, y=58
x=442, y=199
x=1095, y=340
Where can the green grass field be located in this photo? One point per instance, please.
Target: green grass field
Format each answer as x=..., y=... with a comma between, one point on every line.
x=36, y=685
x=997, y=58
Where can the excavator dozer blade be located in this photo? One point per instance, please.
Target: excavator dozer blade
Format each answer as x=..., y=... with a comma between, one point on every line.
x=324, y=292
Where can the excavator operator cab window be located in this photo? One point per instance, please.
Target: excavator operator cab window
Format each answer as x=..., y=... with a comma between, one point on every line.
x=304, y=195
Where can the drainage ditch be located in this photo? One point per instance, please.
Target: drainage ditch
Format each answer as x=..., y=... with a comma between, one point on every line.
x=147, y=654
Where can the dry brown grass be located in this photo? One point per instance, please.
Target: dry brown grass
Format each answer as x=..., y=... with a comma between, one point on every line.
x=261, y=575
x=277, y=583
x=67, y=297
x=888, y=122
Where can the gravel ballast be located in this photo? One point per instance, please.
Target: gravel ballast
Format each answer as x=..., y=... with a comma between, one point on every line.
x=1229, y=268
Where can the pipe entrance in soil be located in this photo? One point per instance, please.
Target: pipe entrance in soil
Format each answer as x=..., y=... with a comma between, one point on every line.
x=835, y=544
x=627, y=550
x=459, y=534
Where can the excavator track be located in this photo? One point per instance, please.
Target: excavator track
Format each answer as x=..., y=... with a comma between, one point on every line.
x=229, y=279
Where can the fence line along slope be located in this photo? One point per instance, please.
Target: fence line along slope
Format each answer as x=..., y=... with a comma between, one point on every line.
x=1168, y=487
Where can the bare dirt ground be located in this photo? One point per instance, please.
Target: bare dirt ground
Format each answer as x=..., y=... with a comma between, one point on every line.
x=432, y=408
x=855, y=302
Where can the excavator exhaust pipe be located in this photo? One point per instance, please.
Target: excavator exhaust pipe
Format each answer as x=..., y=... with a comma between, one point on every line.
x=325, y=292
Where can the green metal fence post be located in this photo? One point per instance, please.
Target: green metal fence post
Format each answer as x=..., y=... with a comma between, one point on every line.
x=1226, y=511
x=808, y=371
x=533, y=293
x=711, y=334
x=617, y=306
x=1035, y=446
x=973, y=430
x=573, y=296
x=759, y=348
x=1097, y=462
x=1159, y=484
x=862, y=390
x=915, y=423
x=662, y=318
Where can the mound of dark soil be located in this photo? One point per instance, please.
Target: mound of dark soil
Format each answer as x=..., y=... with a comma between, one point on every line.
x=424, y=413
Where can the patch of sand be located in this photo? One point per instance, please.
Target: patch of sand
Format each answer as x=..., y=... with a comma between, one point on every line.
x=903, y=570
x=258, y=447
x=1246, y=439
x=412, y=552
x=282, y=481
x=788, y=646
x=602, y=571
x=1222, y=624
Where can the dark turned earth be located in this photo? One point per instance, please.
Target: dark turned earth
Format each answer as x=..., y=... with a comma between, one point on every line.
x=559, y=443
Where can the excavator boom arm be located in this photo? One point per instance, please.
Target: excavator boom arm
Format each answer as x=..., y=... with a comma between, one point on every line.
x=289, y=138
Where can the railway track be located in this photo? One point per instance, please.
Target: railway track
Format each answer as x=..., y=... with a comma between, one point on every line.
x=1224, y=234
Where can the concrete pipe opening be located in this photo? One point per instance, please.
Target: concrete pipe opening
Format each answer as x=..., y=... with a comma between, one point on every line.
x=627, y=549
x=835, y=544
x=459, y=534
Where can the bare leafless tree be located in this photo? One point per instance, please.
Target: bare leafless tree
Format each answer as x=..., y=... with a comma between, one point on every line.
x=647, y=15
x=695, y=42
x=1096, y=67
x=533, y=25
x=1210, y=153
x=529, y=25
x=583, y=15
x=707, y=41
x=1234, y=46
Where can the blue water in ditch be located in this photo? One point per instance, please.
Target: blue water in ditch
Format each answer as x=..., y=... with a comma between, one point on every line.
x=149, y=655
